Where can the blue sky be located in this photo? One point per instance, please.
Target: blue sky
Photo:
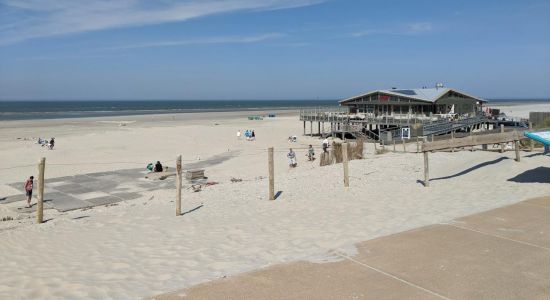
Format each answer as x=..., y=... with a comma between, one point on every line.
x=270, y=49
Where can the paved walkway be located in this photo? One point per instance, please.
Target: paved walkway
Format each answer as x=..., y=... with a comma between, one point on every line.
x=103, y=188
x=499, y=254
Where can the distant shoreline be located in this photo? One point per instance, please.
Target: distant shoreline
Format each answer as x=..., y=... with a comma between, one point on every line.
x=47, y=110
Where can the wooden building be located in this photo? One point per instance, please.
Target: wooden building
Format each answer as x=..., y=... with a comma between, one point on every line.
x=415, y=102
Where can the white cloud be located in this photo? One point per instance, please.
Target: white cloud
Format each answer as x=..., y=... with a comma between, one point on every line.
x=210, y=40
x=407, y=29
x=419, y=27
x=26, y=19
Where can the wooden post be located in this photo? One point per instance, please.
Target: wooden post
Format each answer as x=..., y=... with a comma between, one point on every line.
x=178, y=186
x=393, y=141
x=432, y=137
x=452, y=140
x=271, y=168
x=40, y=204
x=345, y=163
x=516, y=147
x=426, y=170
x=417, y=144
x=501, y=144
x=531, y=142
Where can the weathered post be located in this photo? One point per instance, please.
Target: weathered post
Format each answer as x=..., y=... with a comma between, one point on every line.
x=178, y=185
x=393, y=141
x=531, y=142
x=432, y=137
x=271, y=169
x=345, y=163
x=516, y=148
x=501, y=144
x=40, y=204
x=453, y=140
x=426, y=170
x=417, y=144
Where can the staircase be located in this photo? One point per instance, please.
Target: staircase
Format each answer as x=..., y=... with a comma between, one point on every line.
x=444, y=126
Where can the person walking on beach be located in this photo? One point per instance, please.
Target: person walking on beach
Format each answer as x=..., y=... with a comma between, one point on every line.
x=253, y=135
x=292, y=159
x=310, y=153
x=52, y=142
x=238, y=135
x=28, y=189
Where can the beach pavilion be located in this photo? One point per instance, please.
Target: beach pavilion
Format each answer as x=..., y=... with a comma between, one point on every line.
x=416, y=102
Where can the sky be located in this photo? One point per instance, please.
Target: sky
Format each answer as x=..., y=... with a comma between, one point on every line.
x=270, y=49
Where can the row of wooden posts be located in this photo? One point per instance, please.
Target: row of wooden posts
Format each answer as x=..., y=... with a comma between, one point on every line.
x=271, y=169
x=497, y=138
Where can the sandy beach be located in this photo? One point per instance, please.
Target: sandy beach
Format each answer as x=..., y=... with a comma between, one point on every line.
x=139, y=248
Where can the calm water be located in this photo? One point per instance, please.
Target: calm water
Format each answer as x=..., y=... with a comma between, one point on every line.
x=27, y=110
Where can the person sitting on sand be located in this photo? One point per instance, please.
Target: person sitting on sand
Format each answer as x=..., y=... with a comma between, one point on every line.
x=28, y=189
x=292, y=159
x=158, y=167
x=310, y=153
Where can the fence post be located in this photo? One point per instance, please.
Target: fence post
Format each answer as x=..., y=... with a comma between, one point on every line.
x=531, y=142
x=40, y=204
x=501, y=144
x=393, y=141
x=271, y=168
x=452, y=140
x=417, y=144
x=516, y=148
x=178, y=185
x=345, y=163
x=426, y=170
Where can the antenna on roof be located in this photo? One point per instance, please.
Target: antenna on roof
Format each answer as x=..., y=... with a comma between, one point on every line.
x=439, y=85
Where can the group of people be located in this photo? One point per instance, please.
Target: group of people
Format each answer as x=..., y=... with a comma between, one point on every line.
x=45, y=143
x=291, y=155
x=250, y=135
x=156, y=167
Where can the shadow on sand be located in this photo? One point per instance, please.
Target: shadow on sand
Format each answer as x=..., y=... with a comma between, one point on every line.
x=192, y=210
x=478, y=166
x=536, y=175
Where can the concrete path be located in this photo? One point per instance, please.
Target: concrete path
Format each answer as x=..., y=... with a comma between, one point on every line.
x=499, y=254
x=103, y=188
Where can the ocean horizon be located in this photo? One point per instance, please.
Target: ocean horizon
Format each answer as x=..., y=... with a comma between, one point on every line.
x=12, y=110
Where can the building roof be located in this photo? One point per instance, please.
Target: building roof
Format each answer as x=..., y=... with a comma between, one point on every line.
x=425, y=94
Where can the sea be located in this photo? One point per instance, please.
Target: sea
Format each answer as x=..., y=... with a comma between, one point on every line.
x=31, y=110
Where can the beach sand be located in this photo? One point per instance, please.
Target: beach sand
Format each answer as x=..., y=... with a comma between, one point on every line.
x=139, y=248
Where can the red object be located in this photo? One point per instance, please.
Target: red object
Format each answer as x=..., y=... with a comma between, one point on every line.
x=384, y=98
